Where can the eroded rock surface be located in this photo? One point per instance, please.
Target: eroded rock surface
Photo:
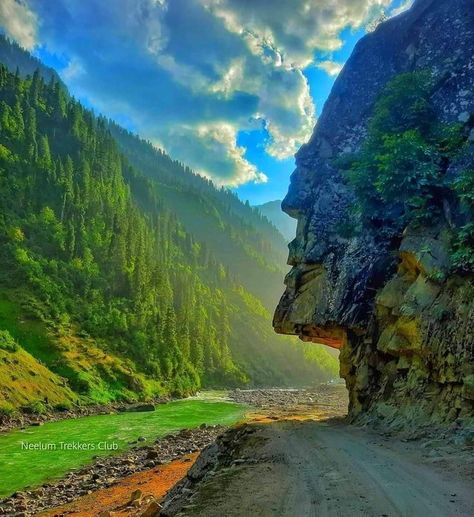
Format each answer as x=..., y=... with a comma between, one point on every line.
x=403, y=320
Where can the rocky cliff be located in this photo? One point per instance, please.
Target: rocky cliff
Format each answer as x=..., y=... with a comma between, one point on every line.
x=389, y=295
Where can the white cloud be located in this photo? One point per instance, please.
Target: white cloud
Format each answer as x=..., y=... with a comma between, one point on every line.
x=284, y=37
x=403, y=7
x=288, y=111
x=73, y=69
x=193, y=73
x=207, y=146
x=330, y=67
x=19, y=22
x=183, y=74
x=293, y=30
x=232, y=79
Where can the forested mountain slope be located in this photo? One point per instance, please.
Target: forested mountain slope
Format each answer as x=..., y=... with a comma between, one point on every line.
x=17, y=59
x=103, y=284
x=238, y=235
x=273, y=212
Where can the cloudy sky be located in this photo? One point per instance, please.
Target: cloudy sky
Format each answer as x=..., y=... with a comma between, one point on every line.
x=230, y=87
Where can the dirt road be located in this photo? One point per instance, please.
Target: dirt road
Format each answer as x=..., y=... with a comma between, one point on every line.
x=323, y=469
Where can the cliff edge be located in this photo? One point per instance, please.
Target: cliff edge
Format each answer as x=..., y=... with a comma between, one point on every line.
x=383, y=259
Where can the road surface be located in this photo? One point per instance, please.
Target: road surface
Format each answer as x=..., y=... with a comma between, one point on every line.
x=328, y=468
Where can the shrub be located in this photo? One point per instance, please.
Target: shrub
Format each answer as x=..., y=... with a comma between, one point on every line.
x=65, y=405
x=36, y=407
x=404, y=153
x=463, y=245
x=6, y=409
x=400, y=175
x=462, y=252
x=7, y=342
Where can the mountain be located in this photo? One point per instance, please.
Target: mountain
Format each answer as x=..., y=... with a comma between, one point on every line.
x=19, y=61
x=251, y=248
x=111, y=287
x=384, y=193
x=284, y=224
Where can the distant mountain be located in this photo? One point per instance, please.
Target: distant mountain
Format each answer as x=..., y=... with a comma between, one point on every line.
x=284, y=223
x=17, y=59
x=124, y=274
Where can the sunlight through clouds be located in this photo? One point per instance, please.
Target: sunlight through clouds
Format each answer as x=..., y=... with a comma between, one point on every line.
x=192, y=74
x=330, y=67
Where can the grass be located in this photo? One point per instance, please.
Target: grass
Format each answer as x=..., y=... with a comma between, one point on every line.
x=16, y=472
x=25, y=382
x=30, y=334
x=65, y=368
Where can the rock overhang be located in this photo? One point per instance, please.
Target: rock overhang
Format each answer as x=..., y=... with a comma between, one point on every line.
x=403, y=322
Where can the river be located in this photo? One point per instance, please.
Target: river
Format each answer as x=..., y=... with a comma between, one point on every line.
x=35, y=455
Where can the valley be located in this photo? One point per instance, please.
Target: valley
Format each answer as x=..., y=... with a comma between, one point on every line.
x=175, y=340
x=127, y=276
x=58, y=447
x=80, y=460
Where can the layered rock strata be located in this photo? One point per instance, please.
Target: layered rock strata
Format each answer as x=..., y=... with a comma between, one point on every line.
x=402, y=318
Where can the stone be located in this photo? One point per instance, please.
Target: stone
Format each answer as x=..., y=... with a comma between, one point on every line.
x=468, y=387
x=140, y=407
x=152, y=510
x=136, y=495
x=152, y=455
x=391, y=303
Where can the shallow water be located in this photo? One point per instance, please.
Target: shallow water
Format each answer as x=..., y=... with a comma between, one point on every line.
x=33, y=456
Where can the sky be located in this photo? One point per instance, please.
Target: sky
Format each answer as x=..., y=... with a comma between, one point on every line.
x=231, y=88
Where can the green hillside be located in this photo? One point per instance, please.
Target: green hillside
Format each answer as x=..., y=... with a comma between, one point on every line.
x=237, y=234
x=137, y=283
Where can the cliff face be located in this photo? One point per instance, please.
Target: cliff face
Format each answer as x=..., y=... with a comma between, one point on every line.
x=403, y=318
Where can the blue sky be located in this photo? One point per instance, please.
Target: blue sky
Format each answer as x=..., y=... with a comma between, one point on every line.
x=230, y=87
x=278, y=171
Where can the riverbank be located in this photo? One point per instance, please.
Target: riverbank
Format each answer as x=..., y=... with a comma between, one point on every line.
x=323, y=401
x=105, y=472
x=133, y=495
x=21, y=420
x=279, y=400
x=107, y=479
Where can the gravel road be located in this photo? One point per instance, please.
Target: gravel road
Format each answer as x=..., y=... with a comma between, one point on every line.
x=290, y=468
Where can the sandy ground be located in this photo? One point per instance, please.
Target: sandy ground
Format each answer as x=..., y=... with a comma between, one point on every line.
x=308, y=468
x=154, y=482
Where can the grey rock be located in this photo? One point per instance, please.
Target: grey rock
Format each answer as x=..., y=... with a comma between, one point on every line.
x=378, y=295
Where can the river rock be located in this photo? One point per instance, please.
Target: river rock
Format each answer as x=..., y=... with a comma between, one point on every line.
x=140, y=407
x=151, y=510
x=107, y=470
